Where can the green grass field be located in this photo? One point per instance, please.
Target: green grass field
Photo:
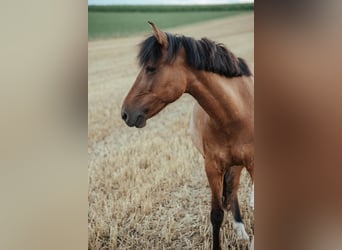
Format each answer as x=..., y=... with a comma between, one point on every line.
x=172, y=8
x=118, y=21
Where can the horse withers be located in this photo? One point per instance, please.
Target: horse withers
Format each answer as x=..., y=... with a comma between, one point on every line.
x=222, y=123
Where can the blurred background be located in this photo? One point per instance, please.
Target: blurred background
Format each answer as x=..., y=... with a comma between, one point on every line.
x=106, y=20
x=43, y=127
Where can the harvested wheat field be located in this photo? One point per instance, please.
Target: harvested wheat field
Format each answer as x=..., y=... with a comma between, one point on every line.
x=147, y=187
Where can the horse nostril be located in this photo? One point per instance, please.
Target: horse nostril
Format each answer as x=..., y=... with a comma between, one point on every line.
x=124, y=116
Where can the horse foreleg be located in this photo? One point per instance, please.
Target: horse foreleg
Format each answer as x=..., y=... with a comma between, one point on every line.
x=231, y=186
x=215, y=179
x=239, y=226
x=250, y=169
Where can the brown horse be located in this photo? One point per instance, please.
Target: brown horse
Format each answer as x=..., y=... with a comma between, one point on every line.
x=222, y=124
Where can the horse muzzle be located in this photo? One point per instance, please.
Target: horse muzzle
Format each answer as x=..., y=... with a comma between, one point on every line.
x=134, y=119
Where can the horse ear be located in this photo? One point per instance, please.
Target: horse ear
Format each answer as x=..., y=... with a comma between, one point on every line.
x=160, y=35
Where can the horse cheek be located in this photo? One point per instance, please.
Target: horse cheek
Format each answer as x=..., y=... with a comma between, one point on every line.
x=174, y=92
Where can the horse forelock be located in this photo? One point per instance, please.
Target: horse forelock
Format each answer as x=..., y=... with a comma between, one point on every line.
x=203, y=54
x=150, y=51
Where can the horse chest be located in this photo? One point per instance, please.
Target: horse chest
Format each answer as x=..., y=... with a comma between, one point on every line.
x=213, y=144
x=196, y=127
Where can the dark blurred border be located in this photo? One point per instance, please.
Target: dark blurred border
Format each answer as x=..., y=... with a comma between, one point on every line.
x=298, y=90
x=43, y=128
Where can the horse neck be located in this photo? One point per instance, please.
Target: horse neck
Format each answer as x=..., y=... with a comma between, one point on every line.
x=217, y=95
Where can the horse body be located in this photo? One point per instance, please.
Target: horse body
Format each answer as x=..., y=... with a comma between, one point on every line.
x=222, y=124
x=226, y=144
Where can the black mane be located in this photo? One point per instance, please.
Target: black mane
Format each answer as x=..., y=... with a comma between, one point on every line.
x=201, y=54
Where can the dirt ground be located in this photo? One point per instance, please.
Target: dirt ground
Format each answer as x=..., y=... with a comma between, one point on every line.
x=147, y=187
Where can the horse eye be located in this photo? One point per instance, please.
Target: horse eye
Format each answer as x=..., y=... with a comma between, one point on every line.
x=150, y=69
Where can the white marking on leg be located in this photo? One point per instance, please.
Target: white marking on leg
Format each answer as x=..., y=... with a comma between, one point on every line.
x=240, y=231
x=252, y=197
